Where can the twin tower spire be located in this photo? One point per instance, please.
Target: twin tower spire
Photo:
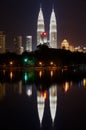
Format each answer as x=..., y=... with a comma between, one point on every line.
x=52, y=28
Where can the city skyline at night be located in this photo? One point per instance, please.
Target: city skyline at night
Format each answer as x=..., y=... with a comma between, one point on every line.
x=52, y=32
x=21, y=19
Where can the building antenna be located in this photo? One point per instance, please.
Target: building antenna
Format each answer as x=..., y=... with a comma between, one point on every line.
x=40, y=3
x=53, y=3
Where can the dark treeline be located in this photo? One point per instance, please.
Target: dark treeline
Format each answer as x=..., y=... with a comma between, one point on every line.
x=59, y=57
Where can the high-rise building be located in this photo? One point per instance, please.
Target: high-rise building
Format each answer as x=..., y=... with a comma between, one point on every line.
x=18, y=45
x=28, y=47
x=53, y=30
x=40, y=26
x=65, y=44
x=2, y=42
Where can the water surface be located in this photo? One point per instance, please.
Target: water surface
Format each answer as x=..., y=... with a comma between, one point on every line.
x=42, y=99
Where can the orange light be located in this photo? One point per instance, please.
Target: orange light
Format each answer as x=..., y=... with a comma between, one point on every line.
x=11, y=62
x=51, y=73
x=45, y=95
x=66, y=87
x=51, y=63
x=40, y=63
x=11, y=75
x=40, y=73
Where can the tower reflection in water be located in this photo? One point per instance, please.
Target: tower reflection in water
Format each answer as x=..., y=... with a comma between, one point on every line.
x=41, y=97
x=13, y=84
x=53, y=101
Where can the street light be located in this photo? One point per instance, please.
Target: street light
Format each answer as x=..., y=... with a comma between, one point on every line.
x=11, y=62
x=40, y=63
x=51, y=63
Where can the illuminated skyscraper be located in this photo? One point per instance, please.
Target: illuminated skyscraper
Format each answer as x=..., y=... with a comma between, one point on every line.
x=40, y=26
x=2, y=42
x=65, y=44
x=18, y=44
x=53, y=30
x=28, y=44
x=20, y=47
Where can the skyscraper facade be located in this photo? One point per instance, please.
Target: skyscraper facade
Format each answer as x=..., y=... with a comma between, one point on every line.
x=2, y=42
x=28, y=47
x=20, y=47
x=53, y=30
x=40, y=26
x=18, y=44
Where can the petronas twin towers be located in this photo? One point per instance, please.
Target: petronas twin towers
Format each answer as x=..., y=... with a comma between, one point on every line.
x=52, y=28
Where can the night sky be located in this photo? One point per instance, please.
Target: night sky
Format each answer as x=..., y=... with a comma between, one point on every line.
x=19, y=17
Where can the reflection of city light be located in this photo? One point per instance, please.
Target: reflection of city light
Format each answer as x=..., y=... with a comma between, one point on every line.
x=11, y=75
x=40, y=73
x=25, y=77
x=4, y=72
x=84, y=82
x=2, y=91
x=45, y=95
x=51, y=73
x=53, y=101
x=20, y=87
x=66, y=87
x=29, y=91
x=40, y=105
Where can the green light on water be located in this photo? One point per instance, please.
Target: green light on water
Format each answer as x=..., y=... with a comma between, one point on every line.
x=26, y=77
x=31, y=76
